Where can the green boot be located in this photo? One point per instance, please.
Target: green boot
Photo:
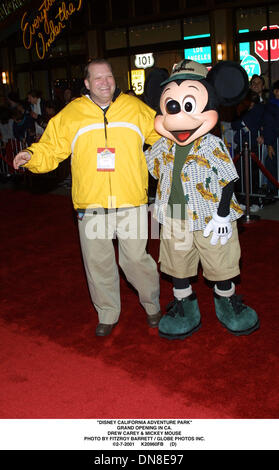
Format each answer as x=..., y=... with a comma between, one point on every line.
x=235, y=316
x=182, y=318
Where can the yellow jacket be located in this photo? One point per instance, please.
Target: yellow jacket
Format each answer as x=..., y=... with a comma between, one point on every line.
x=79, y=130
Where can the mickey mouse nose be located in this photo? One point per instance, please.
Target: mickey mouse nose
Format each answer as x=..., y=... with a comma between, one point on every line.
x=173, y=107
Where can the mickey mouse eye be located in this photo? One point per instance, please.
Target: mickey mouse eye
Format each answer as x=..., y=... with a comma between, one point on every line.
x=173, y=107
x=189, y=104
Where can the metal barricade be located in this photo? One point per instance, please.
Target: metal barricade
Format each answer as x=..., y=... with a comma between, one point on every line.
x=236, y=143
x=59, y=176
x=7, y=155
x=4, y=168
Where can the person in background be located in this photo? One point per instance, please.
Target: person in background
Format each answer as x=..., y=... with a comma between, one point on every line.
x=51, y=108
x=257, y=85
x=6, y=125
x=23, y=124
x=271, y=135
x=251, y=120
x=104, y=130
x=249, y=128
x=37, y=109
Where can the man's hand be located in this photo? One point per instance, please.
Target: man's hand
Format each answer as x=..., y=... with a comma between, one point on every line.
x=221, y=228
x=20, y=159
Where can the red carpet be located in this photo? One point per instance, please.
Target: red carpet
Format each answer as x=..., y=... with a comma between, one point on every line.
x=53, y=366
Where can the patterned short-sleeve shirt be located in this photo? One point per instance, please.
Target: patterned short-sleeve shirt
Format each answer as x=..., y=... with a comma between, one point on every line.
x=207, y=169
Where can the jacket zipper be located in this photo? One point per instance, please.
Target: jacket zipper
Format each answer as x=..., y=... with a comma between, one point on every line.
x=106, y=144
x=106, y=138
x=105, y=124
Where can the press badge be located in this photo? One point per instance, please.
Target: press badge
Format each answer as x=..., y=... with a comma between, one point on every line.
x=106, y=159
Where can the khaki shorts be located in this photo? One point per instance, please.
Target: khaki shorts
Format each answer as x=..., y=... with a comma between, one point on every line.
x=181, y=251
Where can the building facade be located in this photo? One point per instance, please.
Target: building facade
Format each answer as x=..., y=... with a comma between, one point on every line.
x=45, y=44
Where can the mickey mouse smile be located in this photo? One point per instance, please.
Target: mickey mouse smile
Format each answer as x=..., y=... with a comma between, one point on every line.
x=183, y=135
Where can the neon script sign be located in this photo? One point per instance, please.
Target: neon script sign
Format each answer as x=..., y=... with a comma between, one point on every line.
x=47, y=24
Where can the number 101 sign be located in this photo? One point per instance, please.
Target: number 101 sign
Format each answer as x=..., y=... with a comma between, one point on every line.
x=143, y=61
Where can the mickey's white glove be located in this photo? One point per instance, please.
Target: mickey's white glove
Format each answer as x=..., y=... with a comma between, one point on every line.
x=221, y=228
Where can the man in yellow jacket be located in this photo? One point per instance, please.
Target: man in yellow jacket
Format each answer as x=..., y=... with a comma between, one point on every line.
x=104, y=132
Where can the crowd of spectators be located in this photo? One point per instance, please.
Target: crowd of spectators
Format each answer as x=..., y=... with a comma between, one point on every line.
x=256, y=121
x=22, y=122
x=25, y=120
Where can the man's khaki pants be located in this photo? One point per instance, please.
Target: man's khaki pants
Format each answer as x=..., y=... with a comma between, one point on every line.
x=130, y=226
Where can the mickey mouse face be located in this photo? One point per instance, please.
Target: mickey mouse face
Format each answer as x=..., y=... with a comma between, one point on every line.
x=183, y=117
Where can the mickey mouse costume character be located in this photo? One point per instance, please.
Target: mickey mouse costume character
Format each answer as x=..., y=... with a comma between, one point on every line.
x=195, y=196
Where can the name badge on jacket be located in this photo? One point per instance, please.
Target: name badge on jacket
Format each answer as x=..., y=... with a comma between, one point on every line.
x=105, y=159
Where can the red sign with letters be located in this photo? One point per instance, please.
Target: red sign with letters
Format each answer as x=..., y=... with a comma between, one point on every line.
x=261, y=47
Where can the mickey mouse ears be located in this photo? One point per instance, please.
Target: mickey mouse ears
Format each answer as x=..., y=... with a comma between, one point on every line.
x=230, y=82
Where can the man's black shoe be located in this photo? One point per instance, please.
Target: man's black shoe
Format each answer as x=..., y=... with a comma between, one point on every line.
x=104, y=330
